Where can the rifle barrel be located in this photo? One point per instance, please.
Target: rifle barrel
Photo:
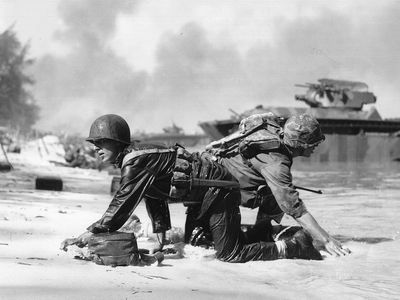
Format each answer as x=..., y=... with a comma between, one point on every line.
x=307, y=189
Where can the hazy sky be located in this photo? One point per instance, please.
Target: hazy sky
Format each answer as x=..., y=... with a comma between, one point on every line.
x=154, y=62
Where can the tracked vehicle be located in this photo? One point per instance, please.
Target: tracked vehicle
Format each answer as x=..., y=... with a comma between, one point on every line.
x=354, y=129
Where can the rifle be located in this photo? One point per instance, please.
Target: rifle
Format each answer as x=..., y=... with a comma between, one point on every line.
x=195, y=182
x=307, y=189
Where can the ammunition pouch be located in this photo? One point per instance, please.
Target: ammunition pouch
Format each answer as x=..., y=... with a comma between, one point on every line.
x=180, y=181
x=190, y=181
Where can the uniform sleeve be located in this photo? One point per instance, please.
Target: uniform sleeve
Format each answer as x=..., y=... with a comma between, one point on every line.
x=275, y=169
x=135, y=181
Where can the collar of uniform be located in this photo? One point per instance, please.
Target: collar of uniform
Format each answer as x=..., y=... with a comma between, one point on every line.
x=120, y=157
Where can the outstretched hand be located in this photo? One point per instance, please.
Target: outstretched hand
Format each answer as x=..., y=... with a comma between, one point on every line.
x=68, y=242
x=80, y=241
x=334, y=247
x=322, y=239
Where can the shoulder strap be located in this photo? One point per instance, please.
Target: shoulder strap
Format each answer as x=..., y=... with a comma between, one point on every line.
x=136, y=153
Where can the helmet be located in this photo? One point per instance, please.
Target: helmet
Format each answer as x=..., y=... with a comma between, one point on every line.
x=111, y=127
x=302, y=131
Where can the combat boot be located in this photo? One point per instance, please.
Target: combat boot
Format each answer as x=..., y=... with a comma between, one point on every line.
x=301, y=246
x=150, y=259
x=201, y=238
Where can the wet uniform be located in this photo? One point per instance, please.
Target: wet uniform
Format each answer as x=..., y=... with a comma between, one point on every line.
x=266, y=182
x=219, y=212
x=147, y=177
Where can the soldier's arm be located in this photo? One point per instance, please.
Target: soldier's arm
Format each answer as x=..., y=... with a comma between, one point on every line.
x=135, y=181
x=326, y=242
x=276, y=172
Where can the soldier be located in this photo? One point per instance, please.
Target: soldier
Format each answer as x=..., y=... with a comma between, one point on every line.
x=149, y=172
x=110, y=135
x=266, y=180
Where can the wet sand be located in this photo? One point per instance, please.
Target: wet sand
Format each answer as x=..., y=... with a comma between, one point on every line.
x=363, y=213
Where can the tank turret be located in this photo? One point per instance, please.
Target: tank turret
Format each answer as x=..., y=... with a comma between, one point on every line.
x=330, y=93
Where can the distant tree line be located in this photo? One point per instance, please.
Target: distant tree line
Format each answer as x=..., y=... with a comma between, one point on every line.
x=17, y=105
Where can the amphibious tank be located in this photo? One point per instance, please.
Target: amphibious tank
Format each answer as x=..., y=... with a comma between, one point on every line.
x=354, y=129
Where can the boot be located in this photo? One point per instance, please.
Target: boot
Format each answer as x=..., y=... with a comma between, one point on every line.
x=301, y=246
x=150, y=259
x=201, y=237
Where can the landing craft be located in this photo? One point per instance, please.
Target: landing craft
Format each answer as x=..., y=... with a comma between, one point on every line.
x=354, y=133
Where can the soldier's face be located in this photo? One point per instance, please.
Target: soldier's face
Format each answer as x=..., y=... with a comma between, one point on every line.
x=107, y=150
x=307, y=152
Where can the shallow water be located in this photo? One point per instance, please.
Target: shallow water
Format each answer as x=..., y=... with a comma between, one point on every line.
x=359, y=206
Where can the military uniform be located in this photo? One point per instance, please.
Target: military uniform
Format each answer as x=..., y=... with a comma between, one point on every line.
x=146, y=177
x=264, y=174
x=219, y=212
x=266, y=182
x=148, y=173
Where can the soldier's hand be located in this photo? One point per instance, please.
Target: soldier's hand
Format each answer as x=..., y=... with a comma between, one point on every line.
x=83, y=239
x=68, y=242
x=80, y=241
x=334, y=247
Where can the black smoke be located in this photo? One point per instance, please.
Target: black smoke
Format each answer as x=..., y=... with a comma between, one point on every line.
x=90, y=80
x=196, y=79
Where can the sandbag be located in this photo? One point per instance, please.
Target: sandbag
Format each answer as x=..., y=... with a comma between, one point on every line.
x=52, y=183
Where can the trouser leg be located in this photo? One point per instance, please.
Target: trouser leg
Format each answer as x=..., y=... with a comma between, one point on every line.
x=228, y=238
x=191, y=221
x=159, y=215
x=261, y=231
x=268, y=206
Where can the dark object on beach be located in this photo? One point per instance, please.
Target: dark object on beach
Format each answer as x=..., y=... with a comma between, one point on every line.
x=115, y=184
x=51, y=183
x=119, y=249
x=5, y=167
x=8, y=166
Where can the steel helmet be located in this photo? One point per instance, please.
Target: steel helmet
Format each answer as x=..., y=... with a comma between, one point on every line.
x=112, y=127
x=302, y=131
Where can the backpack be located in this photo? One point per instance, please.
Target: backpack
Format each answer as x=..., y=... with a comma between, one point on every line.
x=114, y=248
x=119, y=249
x=257, y=133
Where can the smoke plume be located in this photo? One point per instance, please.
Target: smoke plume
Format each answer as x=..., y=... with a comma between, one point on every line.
x=196, y=79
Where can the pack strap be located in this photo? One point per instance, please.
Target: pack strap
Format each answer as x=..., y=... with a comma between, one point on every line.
x=136, y=153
